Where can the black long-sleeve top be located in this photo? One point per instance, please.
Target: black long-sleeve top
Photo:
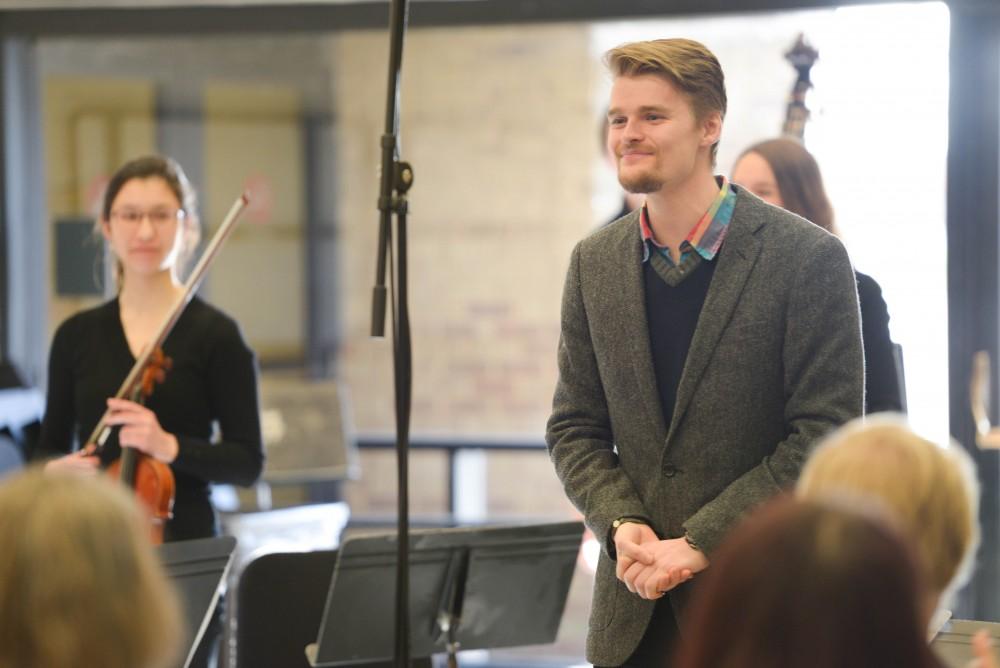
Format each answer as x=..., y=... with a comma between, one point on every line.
x=212, y=381
x=882, y=392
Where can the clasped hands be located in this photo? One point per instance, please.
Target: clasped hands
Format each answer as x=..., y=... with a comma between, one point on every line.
x=139, y=429
x=651, y=567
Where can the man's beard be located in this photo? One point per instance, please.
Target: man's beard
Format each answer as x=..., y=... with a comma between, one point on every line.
x=640, y=184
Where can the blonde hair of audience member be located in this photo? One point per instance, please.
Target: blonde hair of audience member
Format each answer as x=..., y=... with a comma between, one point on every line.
x=823, y=584
x=931, y=490
x=79, y=582
x=687, y=64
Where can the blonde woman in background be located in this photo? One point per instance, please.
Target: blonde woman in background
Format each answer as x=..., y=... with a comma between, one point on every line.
x=79, y=583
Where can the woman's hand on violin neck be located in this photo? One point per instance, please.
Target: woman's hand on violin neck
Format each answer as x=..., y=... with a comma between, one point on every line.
x=141, y=430
x=82, y=461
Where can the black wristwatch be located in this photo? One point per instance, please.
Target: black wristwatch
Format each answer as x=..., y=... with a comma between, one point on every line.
x=624, y=519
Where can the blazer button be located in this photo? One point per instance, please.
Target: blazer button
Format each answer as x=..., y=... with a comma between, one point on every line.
x=670, y=470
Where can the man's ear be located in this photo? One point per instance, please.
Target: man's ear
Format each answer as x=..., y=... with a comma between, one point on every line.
x=711, y=127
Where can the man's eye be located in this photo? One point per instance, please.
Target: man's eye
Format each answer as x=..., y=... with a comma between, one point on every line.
x=617, y=121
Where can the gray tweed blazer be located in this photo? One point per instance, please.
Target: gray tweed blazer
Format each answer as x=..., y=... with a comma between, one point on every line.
x=775, y=363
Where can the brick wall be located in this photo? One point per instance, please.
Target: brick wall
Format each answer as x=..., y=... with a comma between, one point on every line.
x=498, y=126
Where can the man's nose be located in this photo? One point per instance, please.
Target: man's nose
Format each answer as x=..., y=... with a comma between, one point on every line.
x=632, y=130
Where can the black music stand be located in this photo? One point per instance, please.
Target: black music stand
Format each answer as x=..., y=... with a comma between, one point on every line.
x=469, y=589
x=197, y=569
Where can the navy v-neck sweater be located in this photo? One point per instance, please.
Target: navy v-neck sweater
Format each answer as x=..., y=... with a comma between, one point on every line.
x=672, y=315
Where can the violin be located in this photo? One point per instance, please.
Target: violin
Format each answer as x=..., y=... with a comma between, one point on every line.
x=152, y=480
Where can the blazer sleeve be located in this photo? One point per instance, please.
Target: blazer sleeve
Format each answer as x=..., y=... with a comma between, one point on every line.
x=578, y=434
x=824, y=384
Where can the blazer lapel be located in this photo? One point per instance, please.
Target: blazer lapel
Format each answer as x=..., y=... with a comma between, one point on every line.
x=635, y=330
x=736, y=259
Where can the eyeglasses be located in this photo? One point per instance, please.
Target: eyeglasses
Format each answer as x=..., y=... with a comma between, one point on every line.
x=156, y=216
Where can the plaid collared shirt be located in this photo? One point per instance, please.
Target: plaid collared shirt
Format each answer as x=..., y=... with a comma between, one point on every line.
x=705, y=238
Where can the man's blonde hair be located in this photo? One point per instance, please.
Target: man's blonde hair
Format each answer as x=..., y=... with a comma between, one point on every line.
x=931, y=490
x=79, y=582
x=685, y=63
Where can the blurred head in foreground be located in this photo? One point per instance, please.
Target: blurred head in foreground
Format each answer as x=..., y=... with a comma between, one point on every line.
x=809, y=583
x=931, y=491
x=79, y=582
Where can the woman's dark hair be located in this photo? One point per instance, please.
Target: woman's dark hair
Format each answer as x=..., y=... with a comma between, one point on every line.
x=799, y=180
x=146, y=167
x=809, y=584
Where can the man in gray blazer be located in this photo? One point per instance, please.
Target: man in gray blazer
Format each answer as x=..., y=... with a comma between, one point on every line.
x=708, y=340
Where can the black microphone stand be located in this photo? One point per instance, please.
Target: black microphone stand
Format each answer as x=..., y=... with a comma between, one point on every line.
x=396, y=179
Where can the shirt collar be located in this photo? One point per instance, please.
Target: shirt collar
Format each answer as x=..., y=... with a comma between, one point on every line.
x=707, y=235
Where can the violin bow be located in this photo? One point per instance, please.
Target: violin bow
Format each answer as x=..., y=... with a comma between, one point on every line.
x=101, y=432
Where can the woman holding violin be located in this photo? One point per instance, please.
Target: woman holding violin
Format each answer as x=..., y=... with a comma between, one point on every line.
x=149, y=221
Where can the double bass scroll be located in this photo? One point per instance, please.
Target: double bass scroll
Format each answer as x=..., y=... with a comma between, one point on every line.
x=802, y=56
